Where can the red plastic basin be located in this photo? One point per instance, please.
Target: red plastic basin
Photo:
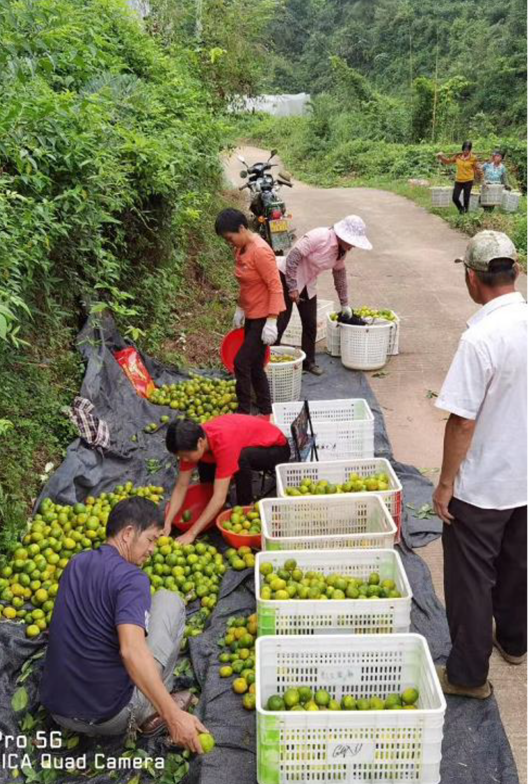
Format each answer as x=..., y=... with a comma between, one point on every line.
x=230, y=347
x=238, y=540
x=197, y=498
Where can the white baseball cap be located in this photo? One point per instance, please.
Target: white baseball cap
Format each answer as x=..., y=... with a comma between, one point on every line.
x=353, y=231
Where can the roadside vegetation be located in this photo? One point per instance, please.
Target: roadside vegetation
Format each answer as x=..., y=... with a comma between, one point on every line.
x=111, y=131
x=387, y=165
x=110, y=179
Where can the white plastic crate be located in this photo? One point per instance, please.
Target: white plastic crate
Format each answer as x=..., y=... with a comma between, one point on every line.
x=326, y=523
x=293, y=333
x=344, y=428
x=351, y=616
x=285, y=378
x=491, y=195
x=333, y=337
x=337, y=472
x=365, y=348
x=441, y=196
x=378, y=747
x=394, y=337
x=474, y=201
x=510, y=201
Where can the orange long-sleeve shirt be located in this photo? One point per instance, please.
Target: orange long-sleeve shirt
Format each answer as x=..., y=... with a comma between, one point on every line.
x=258, y=276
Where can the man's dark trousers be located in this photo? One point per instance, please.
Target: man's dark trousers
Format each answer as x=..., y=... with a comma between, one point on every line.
x=252, y=458
x=484, y=578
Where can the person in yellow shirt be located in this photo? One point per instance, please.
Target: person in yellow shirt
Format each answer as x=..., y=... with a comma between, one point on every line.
x=467, y=169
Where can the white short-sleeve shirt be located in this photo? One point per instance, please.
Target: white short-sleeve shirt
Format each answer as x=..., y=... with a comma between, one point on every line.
x=487, y=382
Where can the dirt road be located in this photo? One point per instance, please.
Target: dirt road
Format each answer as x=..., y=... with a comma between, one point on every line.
x=410, y=270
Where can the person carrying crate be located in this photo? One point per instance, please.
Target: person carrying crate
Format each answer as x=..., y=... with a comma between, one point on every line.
x=482, y=493
x=495, y=173
x=226, y=447
x=318, y=250
x=467, y=170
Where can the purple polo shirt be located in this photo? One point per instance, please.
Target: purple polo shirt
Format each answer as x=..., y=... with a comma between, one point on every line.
x=84, y=676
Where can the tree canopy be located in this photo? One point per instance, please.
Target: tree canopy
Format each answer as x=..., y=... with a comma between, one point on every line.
x=472, y=52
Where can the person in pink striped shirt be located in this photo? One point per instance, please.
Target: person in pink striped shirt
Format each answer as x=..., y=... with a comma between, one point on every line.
x=318, y=250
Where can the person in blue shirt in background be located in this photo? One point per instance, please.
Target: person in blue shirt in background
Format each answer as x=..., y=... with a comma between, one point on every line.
x=103, y=675
x=494, y=172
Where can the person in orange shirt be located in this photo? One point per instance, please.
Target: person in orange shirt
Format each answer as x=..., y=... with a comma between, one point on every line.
x=259, y=303
x=467, y=169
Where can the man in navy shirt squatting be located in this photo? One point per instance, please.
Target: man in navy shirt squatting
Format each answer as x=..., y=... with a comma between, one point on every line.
x=112, y=646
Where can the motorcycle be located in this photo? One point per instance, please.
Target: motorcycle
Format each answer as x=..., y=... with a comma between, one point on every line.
x=267, y=205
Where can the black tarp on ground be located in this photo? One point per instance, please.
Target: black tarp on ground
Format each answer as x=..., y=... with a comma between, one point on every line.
x=105, y=384
x=475, y=749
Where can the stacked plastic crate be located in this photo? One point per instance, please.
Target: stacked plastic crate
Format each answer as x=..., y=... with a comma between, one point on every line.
x=357, y=651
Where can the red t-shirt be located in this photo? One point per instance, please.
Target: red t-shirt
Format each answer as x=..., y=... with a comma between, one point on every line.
x=228, y=435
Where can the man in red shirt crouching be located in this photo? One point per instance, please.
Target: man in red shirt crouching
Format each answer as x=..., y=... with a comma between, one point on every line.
x=228, y=446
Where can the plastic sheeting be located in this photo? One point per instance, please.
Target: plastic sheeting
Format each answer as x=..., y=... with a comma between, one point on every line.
x=278, y=105
x=475, y=749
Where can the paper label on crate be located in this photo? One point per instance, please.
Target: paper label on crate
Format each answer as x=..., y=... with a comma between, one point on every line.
x=350, y=751
x=340, y=673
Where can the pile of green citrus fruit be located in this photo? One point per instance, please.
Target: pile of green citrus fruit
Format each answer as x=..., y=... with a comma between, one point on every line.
x=240, y=559
x=303, y=698
x=374, y=483
x=29, y=580
x=244, y=523
x=364, y=313
x=200, y=398
x=277, y=359
x=194, y=571
x=238, y=659
x=290, y=582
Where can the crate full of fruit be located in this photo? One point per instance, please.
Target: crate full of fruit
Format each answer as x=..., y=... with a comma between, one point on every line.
x=374, y=475
x=284, y=372
x=345, y=708
x=326, y=523
x=332, y=592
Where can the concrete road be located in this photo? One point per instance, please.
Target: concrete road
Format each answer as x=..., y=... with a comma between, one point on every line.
x=410, y=270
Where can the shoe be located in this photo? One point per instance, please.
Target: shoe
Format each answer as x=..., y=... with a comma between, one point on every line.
x=155, y=725
x=477, y=692
x=314, y=369
x=508, y=657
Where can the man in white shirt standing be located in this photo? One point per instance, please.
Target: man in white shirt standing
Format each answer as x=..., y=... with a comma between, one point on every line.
x=482, y=491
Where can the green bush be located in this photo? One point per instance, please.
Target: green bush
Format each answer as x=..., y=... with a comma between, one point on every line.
x=328, y=145
x=107, y=158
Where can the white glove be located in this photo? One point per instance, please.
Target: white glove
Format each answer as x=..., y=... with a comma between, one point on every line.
x=346, y=311
x=270, y=332
x=239, y=318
